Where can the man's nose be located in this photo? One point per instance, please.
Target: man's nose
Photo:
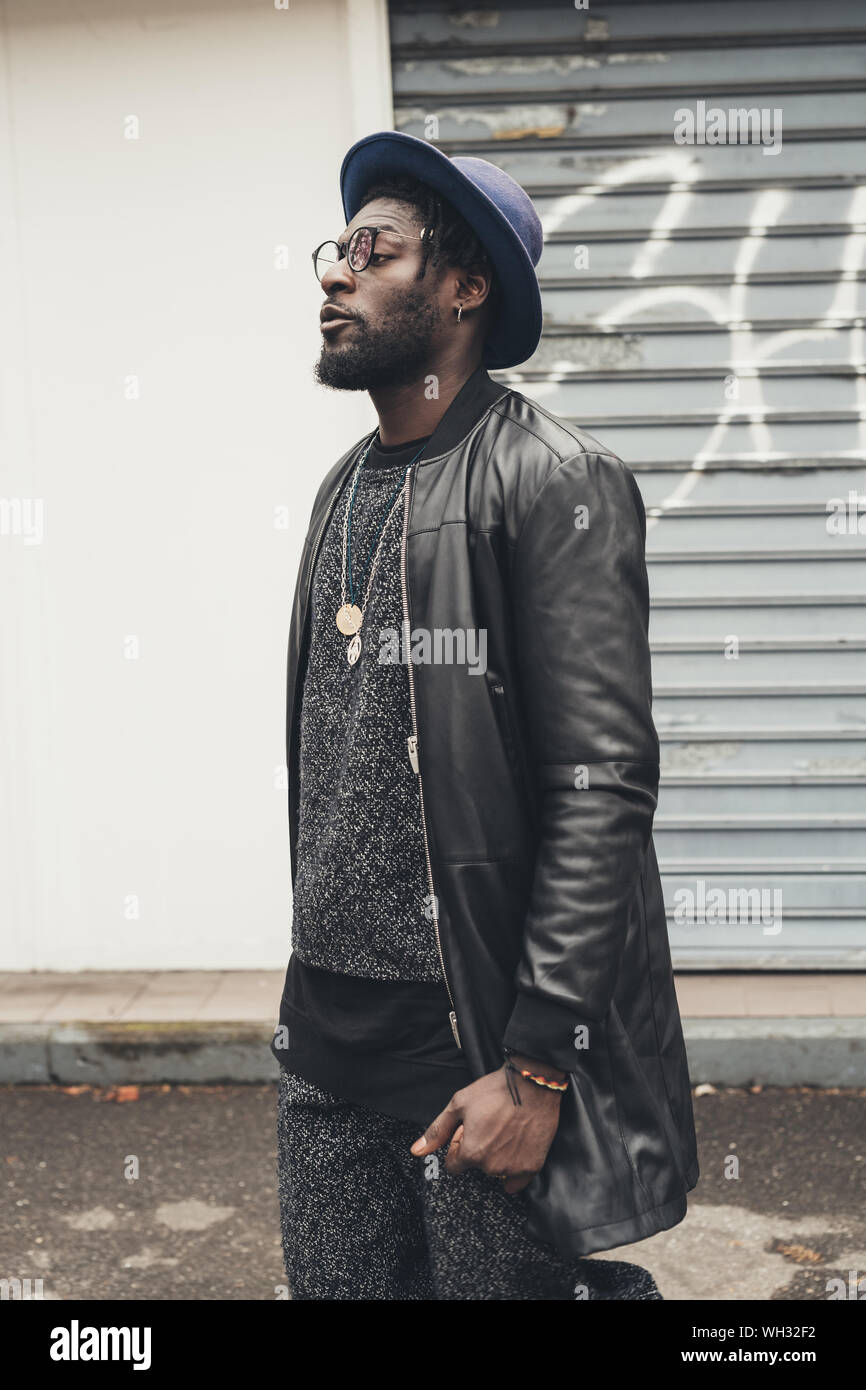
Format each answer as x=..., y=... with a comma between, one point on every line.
x=338, y=276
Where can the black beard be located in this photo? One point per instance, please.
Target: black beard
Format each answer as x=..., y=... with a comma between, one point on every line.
x=394, y=353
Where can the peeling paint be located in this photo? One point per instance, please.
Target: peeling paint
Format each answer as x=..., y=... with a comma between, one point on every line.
x=506, y=122
x=542, y=132
x=697, y=757
x=855, y=767
x=521, y=65
x=599, y=351
x=525, y=64
x=600, y=165
x=475, y=19
x=692, y=718
x=614, y=58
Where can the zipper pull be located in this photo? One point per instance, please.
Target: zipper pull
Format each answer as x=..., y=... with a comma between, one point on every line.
x=412, y=741
x=453, y=1020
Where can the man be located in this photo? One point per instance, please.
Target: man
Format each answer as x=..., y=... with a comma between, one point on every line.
x=483, y=1078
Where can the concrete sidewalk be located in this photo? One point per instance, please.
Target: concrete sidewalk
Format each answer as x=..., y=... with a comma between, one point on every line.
x=111, y=1027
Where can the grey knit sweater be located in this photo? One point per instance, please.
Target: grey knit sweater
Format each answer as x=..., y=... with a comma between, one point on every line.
x=361, y=898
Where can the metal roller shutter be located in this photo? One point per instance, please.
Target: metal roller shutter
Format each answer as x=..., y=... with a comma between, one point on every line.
x=713, y=337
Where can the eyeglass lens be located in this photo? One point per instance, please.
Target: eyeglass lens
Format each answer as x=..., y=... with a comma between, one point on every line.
x=357, y=252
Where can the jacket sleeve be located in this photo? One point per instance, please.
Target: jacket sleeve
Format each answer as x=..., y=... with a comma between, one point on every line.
x=580, y=608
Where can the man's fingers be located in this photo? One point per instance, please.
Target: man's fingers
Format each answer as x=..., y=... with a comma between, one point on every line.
x=454, y=1160
x=439, y=1132
x=517, y=1183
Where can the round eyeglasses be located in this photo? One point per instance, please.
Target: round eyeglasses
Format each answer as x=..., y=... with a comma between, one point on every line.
x=359, y=249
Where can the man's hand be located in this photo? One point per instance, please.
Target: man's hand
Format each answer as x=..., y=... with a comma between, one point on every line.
x=489, y=1131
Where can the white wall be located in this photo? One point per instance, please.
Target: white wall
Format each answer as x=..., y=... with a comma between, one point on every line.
x=162, y=777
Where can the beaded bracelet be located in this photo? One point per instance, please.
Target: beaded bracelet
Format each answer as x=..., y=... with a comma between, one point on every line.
x=539, y=1080
x=530, y=1076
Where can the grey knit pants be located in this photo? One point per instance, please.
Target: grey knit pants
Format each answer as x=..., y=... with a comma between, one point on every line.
x=362, y=1218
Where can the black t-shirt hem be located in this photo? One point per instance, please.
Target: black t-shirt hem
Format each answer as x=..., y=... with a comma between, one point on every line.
x=338, y=1030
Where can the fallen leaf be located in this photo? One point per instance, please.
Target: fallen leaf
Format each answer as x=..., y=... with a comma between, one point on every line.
x=121, y=1093
x=801, y=1254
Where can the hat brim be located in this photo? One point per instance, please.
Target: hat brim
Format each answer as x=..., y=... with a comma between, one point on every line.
x=514, y=334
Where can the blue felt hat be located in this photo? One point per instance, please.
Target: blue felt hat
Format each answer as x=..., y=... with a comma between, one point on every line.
x=497, y=209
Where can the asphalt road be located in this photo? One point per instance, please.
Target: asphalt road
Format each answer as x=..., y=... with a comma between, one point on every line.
x=172, y=1195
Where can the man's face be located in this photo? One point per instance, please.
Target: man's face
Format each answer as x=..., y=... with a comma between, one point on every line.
x=396, y=320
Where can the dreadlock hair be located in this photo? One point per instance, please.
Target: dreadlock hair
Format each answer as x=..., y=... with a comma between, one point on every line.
x=453, y=241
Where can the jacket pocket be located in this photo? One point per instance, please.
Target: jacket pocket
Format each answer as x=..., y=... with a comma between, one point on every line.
x=511, y=739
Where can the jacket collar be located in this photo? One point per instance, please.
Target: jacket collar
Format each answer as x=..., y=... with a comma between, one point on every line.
x=476, y=395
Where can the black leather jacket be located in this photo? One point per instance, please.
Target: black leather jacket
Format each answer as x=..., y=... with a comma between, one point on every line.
x=539, y=779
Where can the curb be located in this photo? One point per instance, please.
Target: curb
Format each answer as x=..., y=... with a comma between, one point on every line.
x=722, y=1051
x=777, y=1051
x=100, y=1054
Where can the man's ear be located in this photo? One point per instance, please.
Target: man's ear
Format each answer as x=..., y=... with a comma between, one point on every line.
x=478, y=280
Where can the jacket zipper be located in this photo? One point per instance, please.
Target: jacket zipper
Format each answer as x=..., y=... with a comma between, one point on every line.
x=412, y=744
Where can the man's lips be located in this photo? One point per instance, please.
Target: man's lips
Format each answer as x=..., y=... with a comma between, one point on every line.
x=332, y=316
